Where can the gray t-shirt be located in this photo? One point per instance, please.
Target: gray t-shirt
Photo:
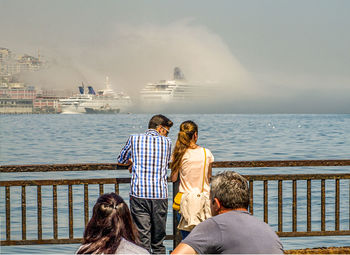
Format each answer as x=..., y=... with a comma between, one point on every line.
x=234, y=232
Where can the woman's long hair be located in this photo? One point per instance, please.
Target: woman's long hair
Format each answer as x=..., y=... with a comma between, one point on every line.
x=187, y=130
x=110, y=221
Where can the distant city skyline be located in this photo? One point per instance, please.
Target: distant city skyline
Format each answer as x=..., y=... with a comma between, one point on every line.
x=268, y=56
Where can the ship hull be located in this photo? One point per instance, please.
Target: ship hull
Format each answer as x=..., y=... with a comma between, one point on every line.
x=101, y=111
x=72, y=109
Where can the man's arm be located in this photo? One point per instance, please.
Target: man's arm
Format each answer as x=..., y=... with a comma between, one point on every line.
x=183, y=248
x=125, y=153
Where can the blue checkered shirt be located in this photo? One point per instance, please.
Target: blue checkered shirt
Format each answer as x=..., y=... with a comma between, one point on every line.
x=150, y=154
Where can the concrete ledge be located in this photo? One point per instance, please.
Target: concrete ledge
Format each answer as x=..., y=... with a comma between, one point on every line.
x=321, y=250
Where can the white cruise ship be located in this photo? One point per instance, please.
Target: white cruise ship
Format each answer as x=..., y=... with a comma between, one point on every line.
x=105, y=101
x=72, y=105
x=169, y=91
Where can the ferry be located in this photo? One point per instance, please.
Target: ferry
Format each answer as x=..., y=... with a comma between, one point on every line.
x=72, y=105
x=104, y=101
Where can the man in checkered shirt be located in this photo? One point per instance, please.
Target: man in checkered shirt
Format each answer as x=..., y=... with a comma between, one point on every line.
x=149, y=154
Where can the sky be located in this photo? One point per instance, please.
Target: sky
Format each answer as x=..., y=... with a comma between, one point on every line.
x=262, y=56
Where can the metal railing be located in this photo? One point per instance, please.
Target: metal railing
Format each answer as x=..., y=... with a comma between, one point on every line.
x=254, y=180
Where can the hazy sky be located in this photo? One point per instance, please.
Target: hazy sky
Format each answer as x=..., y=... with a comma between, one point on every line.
x=267, y=56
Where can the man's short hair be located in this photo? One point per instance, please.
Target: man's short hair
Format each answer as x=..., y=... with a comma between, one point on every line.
x=159, y=119
x=231, y=189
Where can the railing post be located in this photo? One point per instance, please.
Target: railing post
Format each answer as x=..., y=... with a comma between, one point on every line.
x=54, y=205
x=308, y=223
x=8, y=213
x=280, y=206
x=40, y=228
x=176, y=232
x=251, y=195
x=337, y=204
x=323, y=205
x=266, y=204
x=24, y=226
x=70, y=210
x=116, y=187
x=295, y=203
x=86, y=204
x=101, y=190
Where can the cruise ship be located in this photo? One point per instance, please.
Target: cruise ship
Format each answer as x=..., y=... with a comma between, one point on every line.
x=169, y=91
x=72, y=105
x=105, y=101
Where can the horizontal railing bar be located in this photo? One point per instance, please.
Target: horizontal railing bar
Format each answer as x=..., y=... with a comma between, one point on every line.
x=64, y=182
x=291, y=177
x=218, y=164
x=52, y=241
x=314, y=233
x=281, y=163
x=168, y=237
x=42, y=241
x=60, y=167
x=267, y=177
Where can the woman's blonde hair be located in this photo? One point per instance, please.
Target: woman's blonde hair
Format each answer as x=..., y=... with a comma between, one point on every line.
x=187, y=130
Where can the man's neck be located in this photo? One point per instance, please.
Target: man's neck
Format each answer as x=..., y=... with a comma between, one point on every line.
x=225, y=210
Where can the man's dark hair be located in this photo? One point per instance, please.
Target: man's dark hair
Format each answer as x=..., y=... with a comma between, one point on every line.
x=159, y=119
x=231, y=189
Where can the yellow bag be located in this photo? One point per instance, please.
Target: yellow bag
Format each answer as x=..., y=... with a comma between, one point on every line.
x=177, y=201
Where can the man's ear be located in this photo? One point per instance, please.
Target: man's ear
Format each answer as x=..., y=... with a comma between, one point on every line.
x=217, y=202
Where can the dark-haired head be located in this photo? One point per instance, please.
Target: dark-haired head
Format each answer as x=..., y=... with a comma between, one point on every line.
x=159, y=120
x=110, y=221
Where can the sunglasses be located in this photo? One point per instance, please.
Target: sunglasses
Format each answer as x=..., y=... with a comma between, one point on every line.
x=167, y=130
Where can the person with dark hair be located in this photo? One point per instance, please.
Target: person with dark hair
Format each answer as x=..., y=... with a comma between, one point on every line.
x=110, y=229
x=231, y=230
x=149, y=155
x=193, y=164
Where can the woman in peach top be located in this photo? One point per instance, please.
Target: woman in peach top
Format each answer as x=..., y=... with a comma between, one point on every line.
x=188, y=162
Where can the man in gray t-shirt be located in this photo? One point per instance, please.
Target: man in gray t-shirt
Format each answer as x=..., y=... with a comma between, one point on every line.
x=231, y=229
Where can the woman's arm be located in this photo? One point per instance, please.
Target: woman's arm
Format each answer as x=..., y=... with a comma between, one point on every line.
x=174, y=175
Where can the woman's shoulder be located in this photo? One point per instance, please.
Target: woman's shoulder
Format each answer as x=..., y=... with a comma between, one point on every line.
x=209, y=154
x=208, y=151
x=126, y=247
x=198, y=149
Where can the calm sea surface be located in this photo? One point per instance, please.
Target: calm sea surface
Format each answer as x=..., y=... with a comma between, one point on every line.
x=55, y=139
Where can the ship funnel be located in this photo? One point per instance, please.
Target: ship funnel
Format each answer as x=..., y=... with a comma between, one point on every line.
x=108, y=85
x=91, y=90
x=178, y=74
x=81, y=89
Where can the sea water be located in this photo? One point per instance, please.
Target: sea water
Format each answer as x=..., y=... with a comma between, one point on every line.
x=61, y=139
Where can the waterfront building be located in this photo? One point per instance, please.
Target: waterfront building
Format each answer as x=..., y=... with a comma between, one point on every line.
x=46, y=104
x=29, y=63
x=15, y=97
x=10, y=65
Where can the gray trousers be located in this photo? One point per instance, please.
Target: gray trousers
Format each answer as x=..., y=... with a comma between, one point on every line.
x=149, y=216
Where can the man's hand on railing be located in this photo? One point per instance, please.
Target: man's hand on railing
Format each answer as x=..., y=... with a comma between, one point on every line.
x=128, y=164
